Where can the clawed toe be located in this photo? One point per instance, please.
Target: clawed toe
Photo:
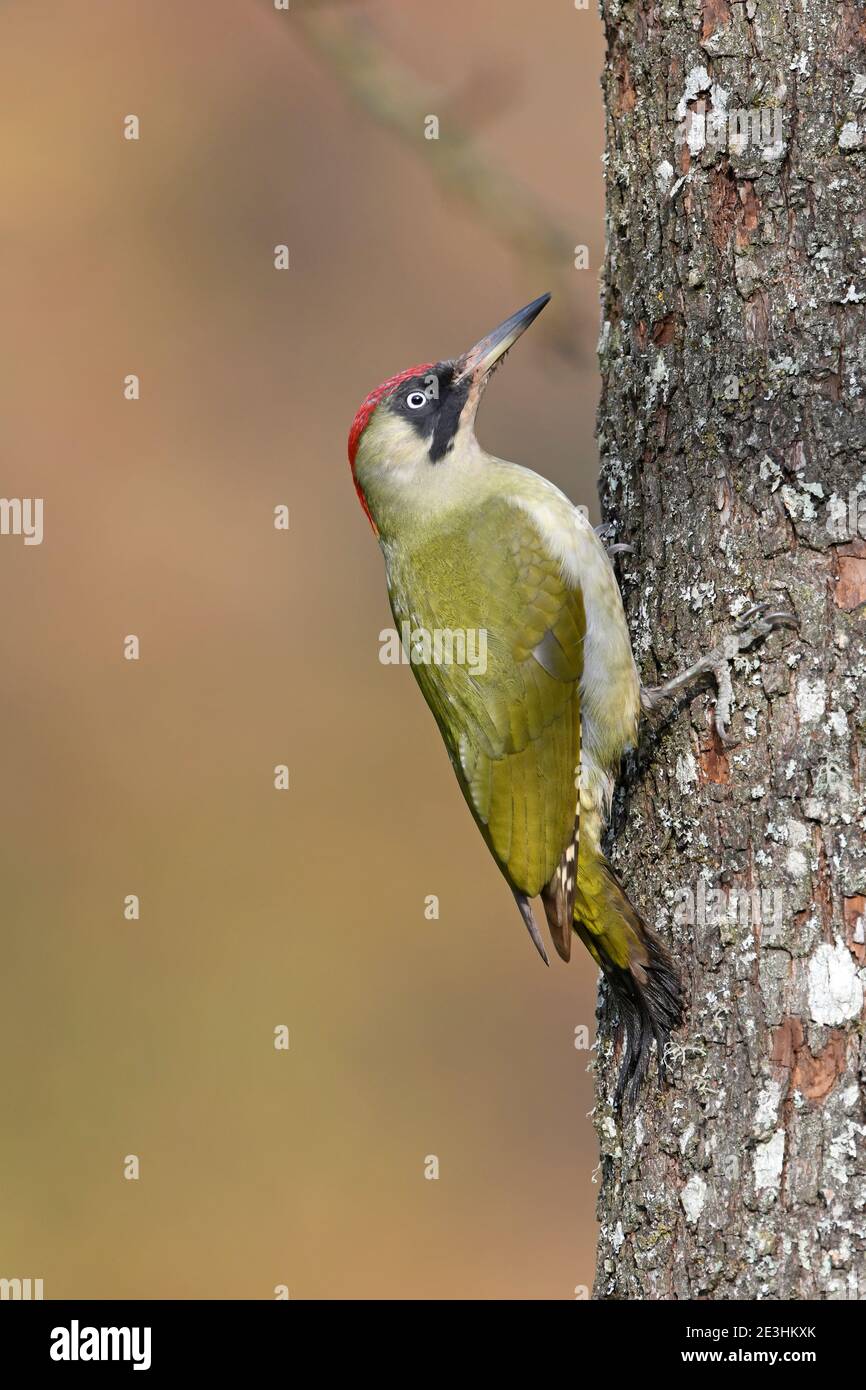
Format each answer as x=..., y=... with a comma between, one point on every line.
x=757, y=622
x=759, y=618
x=747, y=618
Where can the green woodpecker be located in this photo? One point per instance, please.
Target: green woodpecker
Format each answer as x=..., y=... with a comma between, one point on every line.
x=474, y=544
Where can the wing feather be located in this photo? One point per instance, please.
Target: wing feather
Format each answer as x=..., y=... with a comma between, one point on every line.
x=513, y=730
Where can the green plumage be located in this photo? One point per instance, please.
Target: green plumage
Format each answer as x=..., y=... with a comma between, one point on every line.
x=535, y=732
x=512, y=731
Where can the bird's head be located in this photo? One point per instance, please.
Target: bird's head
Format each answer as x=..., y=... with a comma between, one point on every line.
x=424, y=418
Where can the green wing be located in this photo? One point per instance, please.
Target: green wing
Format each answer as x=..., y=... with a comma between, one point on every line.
x=513, y=729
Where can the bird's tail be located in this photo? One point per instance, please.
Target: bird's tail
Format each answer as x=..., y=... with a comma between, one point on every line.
x=638, y=969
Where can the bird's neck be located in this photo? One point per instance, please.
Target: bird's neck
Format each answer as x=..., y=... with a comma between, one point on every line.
x=414, y=498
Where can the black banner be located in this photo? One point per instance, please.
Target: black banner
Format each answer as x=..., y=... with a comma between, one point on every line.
x=213, y=1338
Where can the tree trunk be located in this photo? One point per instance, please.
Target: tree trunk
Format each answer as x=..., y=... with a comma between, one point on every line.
x=732, y=432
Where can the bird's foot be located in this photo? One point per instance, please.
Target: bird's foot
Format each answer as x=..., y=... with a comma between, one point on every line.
x=758, y=622
x=606, y=533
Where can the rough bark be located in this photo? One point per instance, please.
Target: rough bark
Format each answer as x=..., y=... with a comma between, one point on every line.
x=732, y=432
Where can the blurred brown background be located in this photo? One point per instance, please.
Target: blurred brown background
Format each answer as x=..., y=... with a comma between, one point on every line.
x=408, y=1037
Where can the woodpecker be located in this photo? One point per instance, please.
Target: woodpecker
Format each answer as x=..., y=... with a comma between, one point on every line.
x=474, y=543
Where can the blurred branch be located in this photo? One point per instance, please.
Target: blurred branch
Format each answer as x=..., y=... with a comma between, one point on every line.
x=399, y=102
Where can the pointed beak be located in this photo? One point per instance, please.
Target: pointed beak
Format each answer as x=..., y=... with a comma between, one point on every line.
x=481, y=359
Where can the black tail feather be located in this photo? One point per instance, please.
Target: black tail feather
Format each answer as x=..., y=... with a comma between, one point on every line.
x=640, y=974
x=649, y=1010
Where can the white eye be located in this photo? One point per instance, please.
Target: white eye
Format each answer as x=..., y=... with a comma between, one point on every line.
x=415, y=400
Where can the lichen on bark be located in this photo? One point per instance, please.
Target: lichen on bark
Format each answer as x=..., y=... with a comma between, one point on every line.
x=732, y=432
